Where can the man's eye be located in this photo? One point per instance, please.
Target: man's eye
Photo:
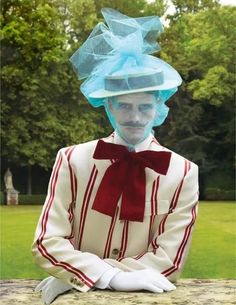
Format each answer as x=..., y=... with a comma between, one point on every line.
x=145, y=107
x=124, y=106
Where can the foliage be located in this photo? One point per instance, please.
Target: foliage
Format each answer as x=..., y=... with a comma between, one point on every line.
x=219, y=194
x=1, y=198
x=42, y=106
x=135, y=8
x=191, y=6
x=31, y=199
x=200, y=46
x=43, y=109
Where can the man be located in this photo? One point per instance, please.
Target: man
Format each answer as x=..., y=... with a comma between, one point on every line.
x=120, y=211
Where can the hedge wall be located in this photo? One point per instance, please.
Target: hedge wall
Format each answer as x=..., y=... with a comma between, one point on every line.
x=25, y=199
x=32, y=199
x=213, y=193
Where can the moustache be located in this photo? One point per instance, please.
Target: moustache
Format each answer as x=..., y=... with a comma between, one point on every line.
x=133, y=124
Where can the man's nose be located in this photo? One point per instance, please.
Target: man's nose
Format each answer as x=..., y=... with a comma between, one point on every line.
x=135, y=115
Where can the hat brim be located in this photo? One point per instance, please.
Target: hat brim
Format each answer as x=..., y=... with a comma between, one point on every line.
x=102, y=93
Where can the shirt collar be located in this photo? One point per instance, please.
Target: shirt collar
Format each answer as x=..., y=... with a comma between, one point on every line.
x=144, y=145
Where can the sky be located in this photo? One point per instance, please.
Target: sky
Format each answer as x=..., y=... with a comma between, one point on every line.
x=230, y=2
x=223, y=2
x=171, y=7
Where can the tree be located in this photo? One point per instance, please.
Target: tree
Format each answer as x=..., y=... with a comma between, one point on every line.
x=41, y=103
x=191, y=6
x=43, y=109
x=40, y=98
x=200, y=46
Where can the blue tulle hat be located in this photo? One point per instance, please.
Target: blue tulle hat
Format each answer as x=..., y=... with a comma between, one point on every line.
x=115, y=60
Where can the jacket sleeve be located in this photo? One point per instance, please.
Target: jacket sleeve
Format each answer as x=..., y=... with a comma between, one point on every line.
x=52, y=248
x=168, y=249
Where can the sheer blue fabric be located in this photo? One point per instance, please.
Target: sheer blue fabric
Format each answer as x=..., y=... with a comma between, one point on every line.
x=115, y=60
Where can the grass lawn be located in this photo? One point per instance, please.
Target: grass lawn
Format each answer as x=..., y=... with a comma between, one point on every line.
x=212, y=254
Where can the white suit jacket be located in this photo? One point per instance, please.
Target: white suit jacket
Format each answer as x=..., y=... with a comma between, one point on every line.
x=78, y=244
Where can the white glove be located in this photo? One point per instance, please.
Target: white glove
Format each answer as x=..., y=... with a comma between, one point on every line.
x=51, y=288
x=141, y=280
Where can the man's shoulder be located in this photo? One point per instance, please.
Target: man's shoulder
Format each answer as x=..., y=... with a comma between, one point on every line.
x=79, y=155
x=177, y=159
x=180, y=158
x=84, y=149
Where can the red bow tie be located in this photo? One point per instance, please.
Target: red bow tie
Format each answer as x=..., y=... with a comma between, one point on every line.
x=126, y=177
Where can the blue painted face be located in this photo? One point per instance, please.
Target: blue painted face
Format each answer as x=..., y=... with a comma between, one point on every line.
x=134, y=115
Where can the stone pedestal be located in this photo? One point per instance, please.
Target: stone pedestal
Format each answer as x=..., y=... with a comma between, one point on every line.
x=12, y=197
x=188, y=292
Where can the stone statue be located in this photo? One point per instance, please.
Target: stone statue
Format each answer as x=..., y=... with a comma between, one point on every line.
x=11, y=192
x=8, y=180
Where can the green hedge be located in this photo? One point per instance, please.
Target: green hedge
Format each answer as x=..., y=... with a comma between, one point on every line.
x=25, y=199
x=1, y=198
x=213, y=193
x=31, y=199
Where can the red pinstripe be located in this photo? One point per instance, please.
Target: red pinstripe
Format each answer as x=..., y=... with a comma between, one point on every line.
x=175, y=198
x=152, y=218
x=68, y=153
x=179, y=188
x=110, y=233
x=66, y=266
x=124, y=240
x=180, y=251
x=85, y=204
x=73, y=182
x=140, y=255
x=154, y=202
x=51, y=197
x=71, y=211
x=155, y=245
x=187, y=234
x=174, y=201
x=41, y=247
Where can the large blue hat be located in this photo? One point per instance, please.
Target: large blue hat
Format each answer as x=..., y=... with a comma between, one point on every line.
x=115, y=59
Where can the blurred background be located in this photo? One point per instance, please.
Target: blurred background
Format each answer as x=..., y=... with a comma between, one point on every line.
x=43, y=110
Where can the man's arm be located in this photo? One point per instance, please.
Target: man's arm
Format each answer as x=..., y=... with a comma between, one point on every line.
x=52, y=248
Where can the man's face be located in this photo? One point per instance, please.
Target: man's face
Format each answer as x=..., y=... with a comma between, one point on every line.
x=134, y=115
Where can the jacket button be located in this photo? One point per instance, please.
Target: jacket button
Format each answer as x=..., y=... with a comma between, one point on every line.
x=115, y=251
x=77, y=282
x=80, y=284
x=73, y=280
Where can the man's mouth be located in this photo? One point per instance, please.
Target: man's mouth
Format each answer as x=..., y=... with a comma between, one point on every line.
x=133, y=125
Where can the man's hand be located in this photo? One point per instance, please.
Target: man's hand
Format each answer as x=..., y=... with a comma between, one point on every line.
x=141, y=280
x=51, y=288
